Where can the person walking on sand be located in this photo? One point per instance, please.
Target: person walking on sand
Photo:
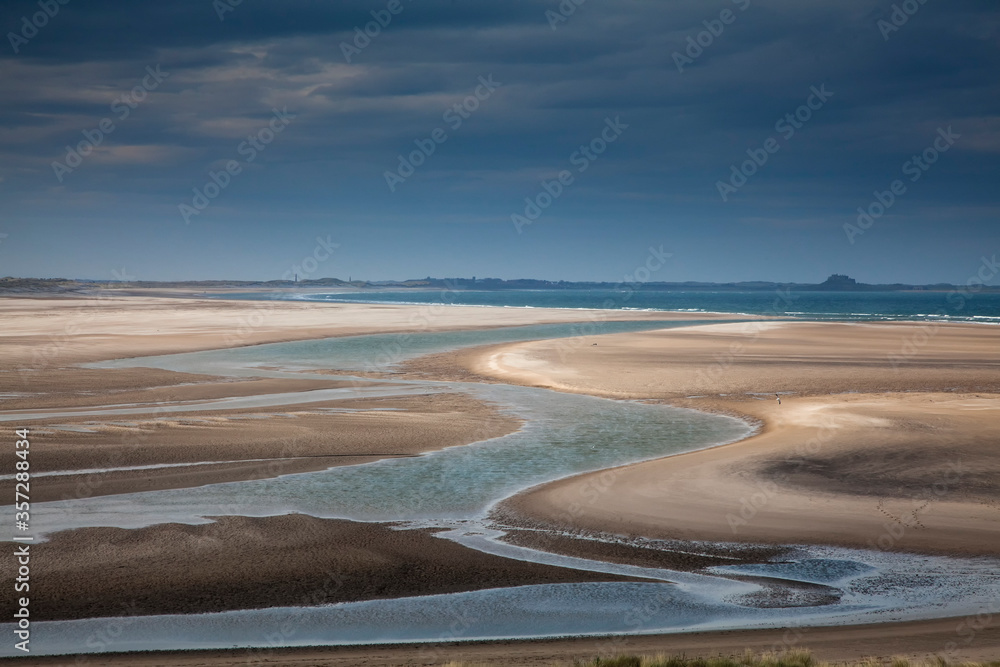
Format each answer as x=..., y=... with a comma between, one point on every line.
x=779, y=398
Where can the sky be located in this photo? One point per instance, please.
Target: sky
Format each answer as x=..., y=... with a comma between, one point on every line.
x=572, y=140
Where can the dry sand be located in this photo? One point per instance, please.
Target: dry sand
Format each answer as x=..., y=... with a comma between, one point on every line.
x=876, y=449
x=909, y=462
x=42, y=333
x=43, y=340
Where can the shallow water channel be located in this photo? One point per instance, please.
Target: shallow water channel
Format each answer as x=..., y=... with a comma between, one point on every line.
x=454, y=488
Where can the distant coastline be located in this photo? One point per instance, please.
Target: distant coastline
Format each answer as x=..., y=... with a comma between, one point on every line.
x=835, y=283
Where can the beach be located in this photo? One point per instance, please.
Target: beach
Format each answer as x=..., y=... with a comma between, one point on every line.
x=885, y=438
x=469, y=334
x=156, y=448
x=864, y=450
x=44, y=341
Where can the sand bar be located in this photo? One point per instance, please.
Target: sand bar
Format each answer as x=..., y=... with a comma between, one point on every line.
x=865, y=450
x=957, y=370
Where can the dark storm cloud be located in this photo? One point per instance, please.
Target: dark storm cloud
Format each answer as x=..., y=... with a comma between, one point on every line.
x=112, y=29
x=608, y=59
x=610, y=56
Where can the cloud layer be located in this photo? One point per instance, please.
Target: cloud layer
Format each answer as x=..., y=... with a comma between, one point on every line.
x=698, y=85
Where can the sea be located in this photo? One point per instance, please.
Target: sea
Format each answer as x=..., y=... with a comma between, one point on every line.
x=964, y=304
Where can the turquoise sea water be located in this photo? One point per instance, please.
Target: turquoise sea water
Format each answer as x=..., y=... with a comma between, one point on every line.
x=965, y=305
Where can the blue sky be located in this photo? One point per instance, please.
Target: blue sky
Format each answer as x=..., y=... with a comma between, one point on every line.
x=643, y=107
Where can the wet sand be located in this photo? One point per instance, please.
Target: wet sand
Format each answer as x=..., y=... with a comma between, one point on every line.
x=865, y=458
x=863, y=453
x=244, y=444
x=956, y=639
x=44, y=339
x=86, y=571
x=252, y=563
